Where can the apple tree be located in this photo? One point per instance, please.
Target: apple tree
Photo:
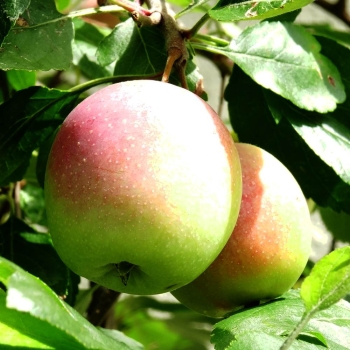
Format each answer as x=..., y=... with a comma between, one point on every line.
x=278, y=82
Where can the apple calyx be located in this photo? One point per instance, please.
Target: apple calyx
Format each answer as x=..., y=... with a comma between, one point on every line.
x=124, y=270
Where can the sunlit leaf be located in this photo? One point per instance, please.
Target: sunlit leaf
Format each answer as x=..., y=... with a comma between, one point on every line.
x=265, y=327
x=328, y=282
x=286, y=59
x=31, y=309
x=238, y=10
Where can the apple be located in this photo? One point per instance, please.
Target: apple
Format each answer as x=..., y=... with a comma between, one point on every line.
x=269, y=246
x=143, y=187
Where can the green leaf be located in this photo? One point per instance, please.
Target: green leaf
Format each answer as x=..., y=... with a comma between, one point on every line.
x=134, y=50
x=266, y=326
x=261, y=341
x=21, y=79
x=286, y=17
x=14, y=8
x=33, y=251
x=239, y=10
x=43, y=156
x=33, y=115
x=14, y=337
x=328, y=31
x=42, y=43
x=286, y=59
x=5, y=23
x=140, y=51
x=147, y=320
x=33, y=204
x=122, y=338
x=32, y=310
x=328, y=282
x=180, y=3
x=86, y=40
x=328, y=137
x=10, y=10
x=62, y=4
x=252, y=119
x=339, y=55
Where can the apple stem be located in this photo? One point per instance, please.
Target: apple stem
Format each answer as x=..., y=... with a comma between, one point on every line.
x=174, y=38
x=296, y=331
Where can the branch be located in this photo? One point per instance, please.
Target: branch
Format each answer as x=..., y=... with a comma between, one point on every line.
x=132, y=7
x=194, y=30
x=174, y=38
x=103, y=300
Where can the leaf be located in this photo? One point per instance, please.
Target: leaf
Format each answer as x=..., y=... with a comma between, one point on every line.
x=134, y=50
x=14, y=8
x=254, y=340
x=340, y=56
x=286, y=59
x=15, y=338
x=21, y=79
x=328, y=282
x=286, y=17
x=32, y=203
x=147, y=320
x=5, y=23
x=10, y=10
x=180, y=3
x=238, y=10
x=122, y=338
x=41, y=42
x=86, y=40
x=34, y=311
x=253, y=120
x=140, y=51
x=324, y=134
x=33, y=115
x=266, y=326
x=33, y=251
x=328, y=135
x=62, y=4
x=43, y=156
x=326, y=30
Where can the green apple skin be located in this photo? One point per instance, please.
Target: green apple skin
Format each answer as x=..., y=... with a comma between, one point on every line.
x=143, y=187
x=269, y=246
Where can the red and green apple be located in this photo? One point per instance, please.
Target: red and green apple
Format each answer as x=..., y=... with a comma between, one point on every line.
x=143, y=187
x=269, y=246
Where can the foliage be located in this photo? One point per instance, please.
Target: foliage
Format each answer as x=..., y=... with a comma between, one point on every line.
x=287, y=93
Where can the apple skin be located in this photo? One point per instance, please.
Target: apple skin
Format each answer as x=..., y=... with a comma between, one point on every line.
x=143, y=187
x=269, y=246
